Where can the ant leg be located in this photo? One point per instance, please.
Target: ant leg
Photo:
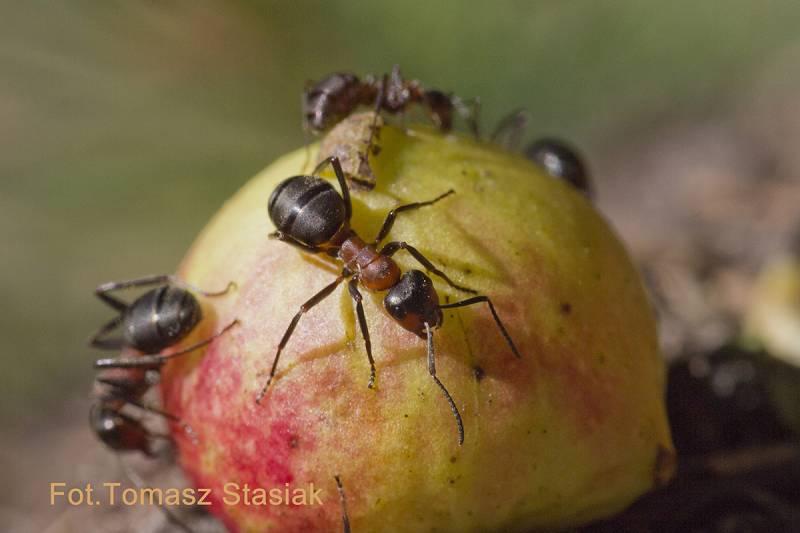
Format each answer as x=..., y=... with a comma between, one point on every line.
x=102, y=291
x=392, y=247
x=288, y=239
x=362, y=322
x=432, y=371
x=194, y=288
x=186, y=428
x=314, y=300
x=389, y=222
x=373, y=129
x=98, y=341
x=337, y=169
x=138, y=482
x=156, y=360
x=469, y=110
x=509, y=130
x=343, y=500
x=478, y=299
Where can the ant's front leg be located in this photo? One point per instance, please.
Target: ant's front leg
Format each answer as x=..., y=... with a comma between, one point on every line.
x=334, y=162
x=102, y=291
x=500, y=326
x=288, y=239
x=469, y=110
x=509, y=130
x=390, y=217
x=391, y=248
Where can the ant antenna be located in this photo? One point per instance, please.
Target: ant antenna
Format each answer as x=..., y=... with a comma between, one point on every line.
x=432, y=371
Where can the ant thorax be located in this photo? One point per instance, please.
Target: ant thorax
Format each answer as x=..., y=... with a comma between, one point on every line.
x=376, y=272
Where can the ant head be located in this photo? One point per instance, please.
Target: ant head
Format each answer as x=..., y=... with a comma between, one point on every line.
x=308, y=209
x=561, y=161
x=118, y=431
x=413, y=301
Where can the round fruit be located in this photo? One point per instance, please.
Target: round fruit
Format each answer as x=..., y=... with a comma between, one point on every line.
x=572, y=431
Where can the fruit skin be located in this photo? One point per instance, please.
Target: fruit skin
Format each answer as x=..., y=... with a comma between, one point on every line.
x=573, y=431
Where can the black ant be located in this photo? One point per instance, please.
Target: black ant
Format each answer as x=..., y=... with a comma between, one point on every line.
x=311, y=215
x=156, y=320
x=559, y=159
x=328, y=101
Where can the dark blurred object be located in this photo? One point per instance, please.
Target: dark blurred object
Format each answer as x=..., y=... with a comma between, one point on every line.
x=562, y=161
x=720, y=401
x=752, y=491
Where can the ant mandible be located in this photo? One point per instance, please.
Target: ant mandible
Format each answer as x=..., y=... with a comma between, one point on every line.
x=328, y=101
x=155, y=321
x=311, y=215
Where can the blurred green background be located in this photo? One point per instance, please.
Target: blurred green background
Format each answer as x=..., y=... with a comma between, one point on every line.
x=124, y=125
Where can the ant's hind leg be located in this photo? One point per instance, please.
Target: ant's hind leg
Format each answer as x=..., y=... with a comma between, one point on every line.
x=99, y=340
x=479, y=299
x=362, y=322
x=432, y=372
x=314, y=300
x=392, y=247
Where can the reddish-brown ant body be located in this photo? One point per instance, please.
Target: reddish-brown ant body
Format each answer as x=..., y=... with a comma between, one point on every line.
x=330, y=100
x=310, y=214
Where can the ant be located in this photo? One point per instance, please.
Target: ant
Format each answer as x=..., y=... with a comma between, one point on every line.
x=559, y=159
x=156, y=320
x=328, y=101
x=311, y=215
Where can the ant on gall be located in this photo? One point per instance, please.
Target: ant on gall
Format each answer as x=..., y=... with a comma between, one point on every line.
x=311, y=215
x=330, y=100
x=557, y=158
x=155, y=321
x=561, y=161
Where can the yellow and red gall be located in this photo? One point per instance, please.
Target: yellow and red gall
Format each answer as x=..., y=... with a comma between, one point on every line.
x=574, y=430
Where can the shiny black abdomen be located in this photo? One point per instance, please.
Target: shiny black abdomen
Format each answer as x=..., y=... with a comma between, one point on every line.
x=307, y=208
x=160, y=318
x=561, y=161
